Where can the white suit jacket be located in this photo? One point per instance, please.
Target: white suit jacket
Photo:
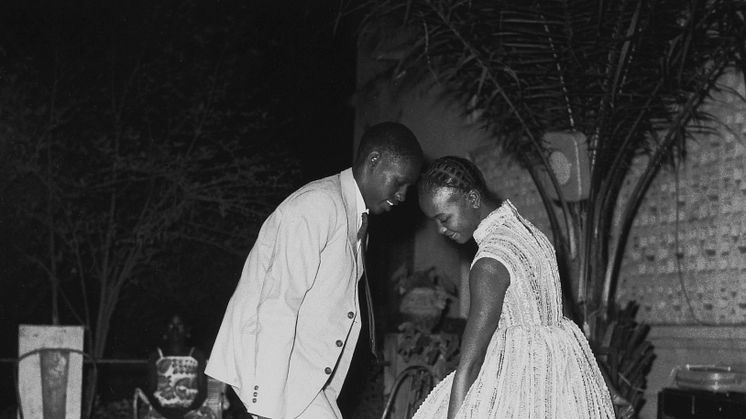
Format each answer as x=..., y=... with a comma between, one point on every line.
x=292, y=322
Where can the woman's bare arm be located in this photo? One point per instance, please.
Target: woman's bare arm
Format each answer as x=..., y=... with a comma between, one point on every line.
x=488, y=282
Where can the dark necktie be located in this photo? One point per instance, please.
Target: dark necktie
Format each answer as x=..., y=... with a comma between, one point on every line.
x=361, y=235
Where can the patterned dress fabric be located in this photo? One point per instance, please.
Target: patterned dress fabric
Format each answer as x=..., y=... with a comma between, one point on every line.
x=177, y=385
x=538, y=363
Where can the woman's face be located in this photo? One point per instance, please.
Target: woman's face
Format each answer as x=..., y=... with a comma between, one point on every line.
x=456, y=214
x=176, y=330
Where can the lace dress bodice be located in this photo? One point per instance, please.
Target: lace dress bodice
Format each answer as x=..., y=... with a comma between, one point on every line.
x=534, y=296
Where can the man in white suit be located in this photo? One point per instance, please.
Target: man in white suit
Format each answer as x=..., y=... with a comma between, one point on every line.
x=291, y=326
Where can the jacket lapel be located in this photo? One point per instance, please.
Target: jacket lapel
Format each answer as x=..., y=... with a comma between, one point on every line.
x=347, y=183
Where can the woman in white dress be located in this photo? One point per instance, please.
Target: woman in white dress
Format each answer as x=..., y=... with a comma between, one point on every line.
x=520, y=357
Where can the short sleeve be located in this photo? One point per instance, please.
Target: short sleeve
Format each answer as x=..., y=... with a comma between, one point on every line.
x=499, y=245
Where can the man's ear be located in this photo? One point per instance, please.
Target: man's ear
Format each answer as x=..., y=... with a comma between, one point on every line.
x=373, y=159
x=474, y=198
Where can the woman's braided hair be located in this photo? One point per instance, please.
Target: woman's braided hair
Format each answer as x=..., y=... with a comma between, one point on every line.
x=453, y=172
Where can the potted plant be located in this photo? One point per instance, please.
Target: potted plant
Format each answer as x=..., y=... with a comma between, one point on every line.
x=619, y=84
x=424, y=297
x=420, y=354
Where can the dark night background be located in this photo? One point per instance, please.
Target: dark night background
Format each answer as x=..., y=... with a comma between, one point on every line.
x=288, y=67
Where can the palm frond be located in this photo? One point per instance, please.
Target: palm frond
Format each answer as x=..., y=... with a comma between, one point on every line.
x=629, y=74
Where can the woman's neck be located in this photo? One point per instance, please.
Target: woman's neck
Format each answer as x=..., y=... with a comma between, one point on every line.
x=488, y=205
x=176, y=349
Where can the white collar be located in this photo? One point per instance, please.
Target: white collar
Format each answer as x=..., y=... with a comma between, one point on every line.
x=359, y=203
x=493, y=220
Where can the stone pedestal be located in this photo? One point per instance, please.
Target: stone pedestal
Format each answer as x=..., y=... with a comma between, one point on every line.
x=50, y=376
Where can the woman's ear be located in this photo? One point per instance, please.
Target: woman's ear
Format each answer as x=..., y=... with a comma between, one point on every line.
x=474, y=198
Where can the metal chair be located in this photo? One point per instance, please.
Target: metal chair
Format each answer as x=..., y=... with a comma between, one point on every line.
x=421, y=381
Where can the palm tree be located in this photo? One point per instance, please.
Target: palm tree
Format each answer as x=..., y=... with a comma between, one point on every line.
x=624, y=79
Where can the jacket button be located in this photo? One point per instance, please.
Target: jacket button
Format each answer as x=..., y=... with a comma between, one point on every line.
x=339, y=343
x=256, y=387
x=253, y=400
x=255, y=394
x=328, y=370
x=350, y=315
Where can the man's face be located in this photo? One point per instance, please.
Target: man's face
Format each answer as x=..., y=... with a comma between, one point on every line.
x=387, y=179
